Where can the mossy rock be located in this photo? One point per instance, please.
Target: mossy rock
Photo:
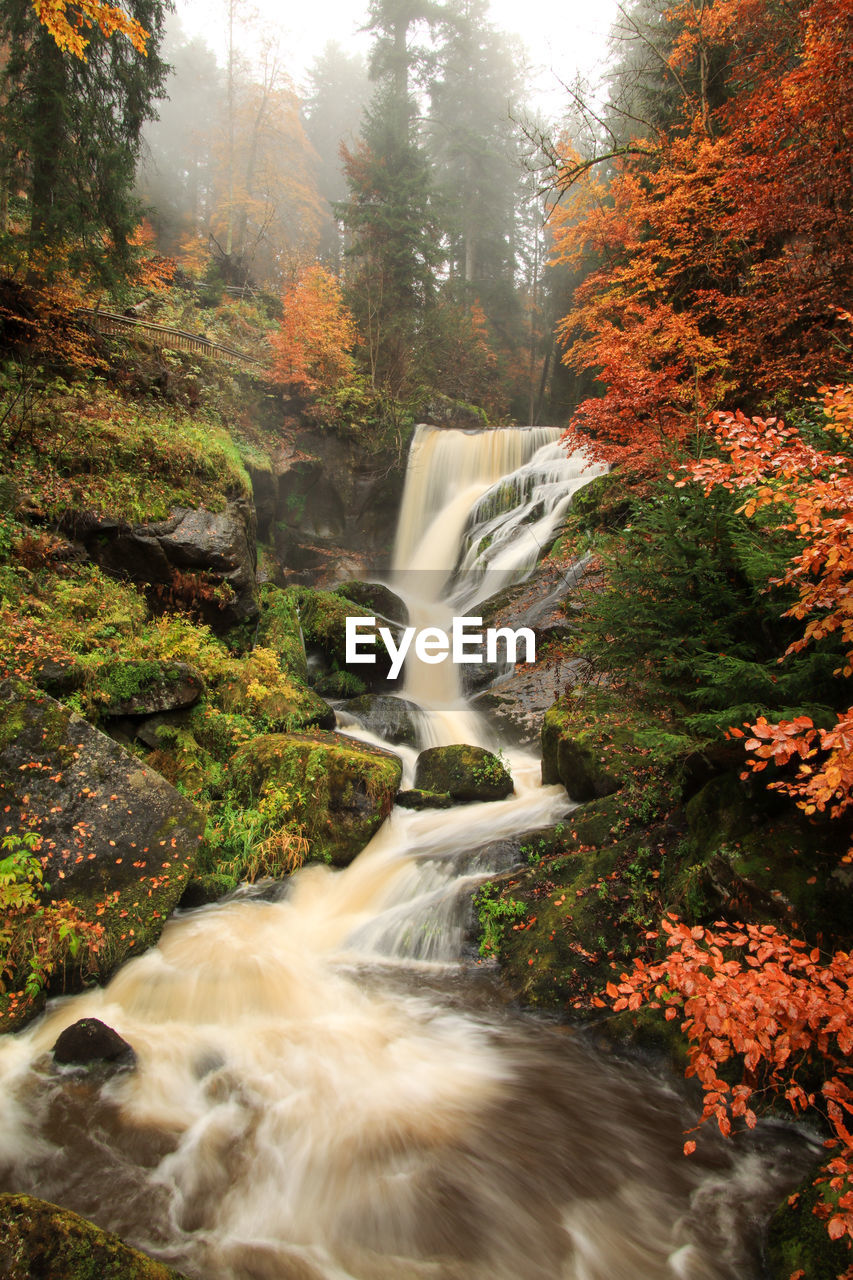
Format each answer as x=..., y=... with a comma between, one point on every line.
x=147, y=688
x=797, y=1241
x=463, y=772
x=341, y=789
x=391, y=718
x=601, y=503
x=573, y=756
x=415, y=799
x=280, y=630
x=117, y=841
x=41, y=1241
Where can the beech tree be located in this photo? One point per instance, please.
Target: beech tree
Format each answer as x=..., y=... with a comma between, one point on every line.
x=724, y=237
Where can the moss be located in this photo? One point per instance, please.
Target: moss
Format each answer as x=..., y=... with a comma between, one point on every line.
x=280, y=630
x=339, y=789
x=797, y=1240
x=464, y=772
x=40, y=1241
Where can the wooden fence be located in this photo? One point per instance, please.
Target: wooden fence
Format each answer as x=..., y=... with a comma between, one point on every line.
x=110, y=322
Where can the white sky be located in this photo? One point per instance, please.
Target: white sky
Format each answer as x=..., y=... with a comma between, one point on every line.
x=562, y=36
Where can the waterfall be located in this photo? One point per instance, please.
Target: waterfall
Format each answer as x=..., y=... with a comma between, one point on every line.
x=329, y=1085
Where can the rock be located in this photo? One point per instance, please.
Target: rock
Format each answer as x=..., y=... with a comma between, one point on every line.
x=415, y=799
x=568, y=757
x=463, y=772
x=344, y=789
x=331, y=487
x=204, y=558
x=40, y=1241
x=148, y=688
x=377, y=599
x=323, y=615
x=391, y=718
x=117, y=840
x=89, y=1041
x=59, y=677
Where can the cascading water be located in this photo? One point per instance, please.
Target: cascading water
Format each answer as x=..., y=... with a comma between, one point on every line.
x=328, y=1086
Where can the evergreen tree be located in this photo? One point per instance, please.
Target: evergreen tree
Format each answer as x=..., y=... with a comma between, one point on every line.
x=338, y=92
x=71, y=131
x=390, y=214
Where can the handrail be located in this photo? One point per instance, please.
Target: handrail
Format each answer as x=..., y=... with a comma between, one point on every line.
x=111, y=322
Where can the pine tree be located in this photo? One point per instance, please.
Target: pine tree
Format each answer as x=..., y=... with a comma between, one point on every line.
x=71, y=128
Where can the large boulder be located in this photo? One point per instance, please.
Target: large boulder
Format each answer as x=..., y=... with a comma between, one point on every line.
x=342, y=789
x=571, y=756
x=198, y=557
x=463, y=772
x=375, y=598
x=117, y=841
x=40, y=1241
x=391, y=718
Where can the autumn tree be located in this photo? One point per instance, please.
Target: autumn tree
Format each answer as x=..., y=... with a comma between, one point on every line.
x=313, y=344
x=724, y=234
x=71, y=126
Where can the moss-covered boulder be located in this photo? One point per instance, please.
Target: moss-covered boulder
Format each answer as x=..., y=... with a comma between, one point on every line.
x=340, y=790
x=463, y=772
x=117, y=841
x=281, y=631
x=147, y=688
x=572, y=756
x=40, y=1241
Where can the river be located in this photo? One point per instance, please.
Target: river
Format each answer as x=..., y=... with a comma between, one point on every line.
x=331, y=1085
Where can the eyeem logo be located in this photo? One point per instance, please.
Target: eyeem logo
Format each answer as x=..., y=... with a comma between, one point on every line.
x=433, y=645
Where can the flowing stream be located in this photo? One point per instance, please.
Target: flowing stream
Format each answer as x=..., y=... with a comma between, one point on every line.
x=330, y=1086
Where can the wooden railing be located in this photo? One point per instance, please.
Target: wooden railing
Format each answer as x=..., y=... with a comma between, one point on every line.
x=177, y=339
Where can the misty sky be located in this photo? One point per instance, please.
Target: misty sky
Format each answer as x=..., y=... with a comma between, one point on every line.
x=561, y=36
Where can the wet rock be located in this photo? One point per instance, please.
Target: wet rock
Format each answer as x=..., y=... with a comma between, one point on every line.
x=117, y=840
x=376, y=599
x=414, y=799
x=569, y=757
x=40, y=1241
x=463, y=772
x=345, y=789
x=391, y=718
x=146, y=688
x=207, y=555
x=89, y=1041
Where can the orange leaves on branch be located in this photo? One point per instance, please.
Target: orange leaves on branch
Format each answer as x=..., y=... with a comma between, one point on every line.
x=812, y=489
x=68, y=23
x=721, y=246
x=749, y=994
x=312, y=348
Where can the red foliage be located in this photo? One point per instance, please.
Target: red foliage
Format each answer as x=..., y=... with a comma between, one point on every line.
x=751, y=995
x=813, y=491
x=724, y=243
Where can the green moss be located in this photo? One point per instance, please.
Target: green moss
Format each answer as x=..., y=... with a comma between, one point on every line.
x=40, y=1241
x=798, y=1241
x=338, y=789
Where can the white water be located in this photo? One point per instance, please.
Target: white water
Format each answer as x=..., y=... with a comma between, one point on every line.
x=330, y=1088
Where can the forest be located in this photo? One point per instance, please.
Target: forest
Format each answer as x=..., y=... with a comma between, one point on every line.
x=219, y=288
